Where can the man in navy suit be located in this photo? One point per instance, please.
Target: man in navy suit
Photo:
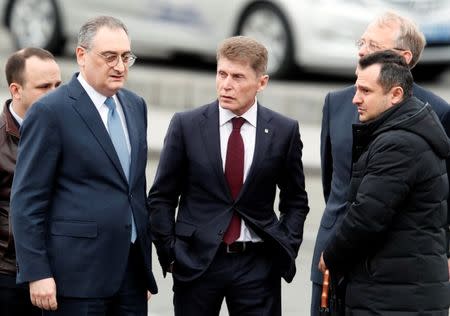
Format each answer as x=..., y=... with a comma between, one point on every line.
x=79, y=213
x=389, y=31
x=221, y=165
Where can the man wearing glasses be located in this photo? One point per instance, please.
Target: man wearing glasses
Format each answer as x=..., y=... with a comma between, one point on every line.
x=78, y=199
x=389, y=31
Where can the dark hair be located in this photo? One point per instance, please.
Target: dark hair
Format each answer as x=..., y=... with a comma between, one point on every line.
x=15, y=65
x=89, y=29
x=394, y=70
x=246, y=49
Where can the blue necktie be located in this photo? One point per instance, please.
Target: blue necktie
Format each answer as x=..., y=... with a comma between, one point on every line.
x=117, y=135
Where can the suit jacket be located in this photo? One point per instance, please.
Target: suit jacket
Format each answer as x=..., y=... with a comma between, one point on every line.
x=339, y=113
x=71, y=201
x=190, y=175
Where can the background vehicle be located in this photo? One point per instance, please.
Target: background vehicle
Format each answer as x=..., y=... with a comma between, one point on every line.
x=316, y=35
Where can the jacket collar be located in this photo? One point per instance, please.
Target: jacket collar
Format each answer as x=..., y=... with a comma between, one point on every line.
x=12, y=127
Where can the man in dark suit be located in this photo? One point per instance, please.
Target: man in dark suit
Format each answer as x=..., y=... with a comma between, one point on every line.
x=30, y=72
x=79, y=212
x=389, y=31
x=221, y=165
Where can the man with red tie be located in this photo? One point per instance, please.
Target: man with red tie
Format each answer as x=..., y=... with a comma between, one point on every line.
x=221, y=165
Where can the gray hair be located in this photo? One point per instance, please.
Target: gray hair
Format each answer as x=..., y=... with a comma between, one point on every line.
x=91, y=27
x=409, y=36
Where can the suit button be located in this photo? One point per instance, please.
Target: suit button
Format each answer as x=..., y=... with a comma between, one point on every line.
x=220, y=233
x=130, y=196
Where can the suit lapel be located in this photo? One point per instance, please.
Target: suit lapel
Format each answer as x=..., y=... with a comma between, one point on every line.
x=210, y=134
x=86, y=109
x=264, y=135
x=133, y=135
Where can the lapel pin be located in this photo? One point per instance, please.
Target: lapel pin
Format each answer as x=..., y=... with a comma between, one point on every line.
x=266, y=131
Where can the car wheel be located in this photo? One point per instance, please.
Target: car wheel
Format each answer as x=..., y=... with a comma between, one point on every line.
x=265, y=23
x=36, y=23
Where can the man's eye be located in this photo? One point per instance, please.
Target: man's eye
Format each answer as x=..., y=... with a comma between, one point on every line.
x=110, y=58
x=126, y=58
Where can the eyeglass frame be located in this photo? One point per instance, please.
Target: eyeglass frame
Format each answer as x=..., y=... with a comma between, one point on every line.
x=374, y=47
x=115, y=62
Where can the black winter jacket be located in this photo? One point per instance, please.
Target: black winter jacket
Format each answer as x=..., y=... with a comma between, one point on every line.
x=392, y=242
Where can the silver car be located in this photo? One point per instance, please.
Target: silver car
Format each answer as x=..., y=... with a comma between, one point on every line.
x=316, y=35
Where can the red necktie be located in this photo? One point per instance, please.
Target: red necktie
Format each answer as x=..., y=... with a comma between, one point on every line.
x=234, y=173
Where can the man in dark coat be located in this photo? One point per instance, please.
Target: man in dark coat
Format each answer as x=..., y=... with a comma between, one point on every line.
x=213, y=182
x=391, y=243
x=388, y=31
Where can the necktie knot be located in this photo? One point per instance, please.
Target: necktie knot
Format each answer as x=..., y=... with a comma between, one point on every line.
x=110, y=103
x=237, y=122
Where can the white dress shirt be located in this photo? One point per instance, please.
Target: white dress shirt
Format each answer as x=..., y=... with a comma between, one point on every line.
x=99, y=102
x=15, y=115
x=248, y=133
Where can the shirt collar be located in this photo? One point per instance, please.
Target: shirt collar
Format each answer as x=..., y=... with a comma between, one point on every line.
x=16, y=116
x=226, y=115
x=97, y=98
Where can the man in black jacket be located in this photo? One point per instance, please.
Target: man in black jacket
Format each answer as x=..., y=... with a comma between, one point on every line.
x=391, y=243
x=389, y=31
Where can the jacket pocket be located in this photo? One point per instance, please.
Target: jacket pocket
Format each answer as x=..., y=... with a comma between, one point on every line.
x=74, y=229
x=184, y=230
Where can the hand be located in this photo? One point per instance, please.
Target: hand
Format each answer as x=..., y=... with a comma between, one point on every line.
x=43, y=294
x=149, y=295
x=322, y=265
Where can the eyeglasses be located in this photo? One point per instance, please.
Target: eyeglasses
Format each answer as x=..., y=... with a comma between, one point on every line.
x=373, y=46
x=112, y=59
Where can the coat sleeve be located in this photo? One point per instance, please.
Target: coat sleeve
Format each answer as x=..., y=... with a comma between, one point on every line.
x=165, y=192
x=326, y=158
x=32, y=189
x=445, y=120
x=385, y=184
x=293, y=204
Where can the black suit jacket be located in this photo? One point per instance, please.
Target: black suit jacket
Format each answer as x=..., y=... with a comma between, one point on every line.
x=71, y=201
x=339, y=113
x=190, y=175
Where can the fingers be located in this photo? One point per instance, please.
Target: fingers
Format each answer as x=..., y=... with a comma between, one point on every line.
x=149, y=295
x=43, y=294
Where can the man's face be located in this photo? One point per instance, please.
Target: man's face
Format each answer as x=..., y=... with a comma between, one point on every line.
x=104, y=78
x=40, y=76
x=377, y=38
x=237, y=85
x=370, y=98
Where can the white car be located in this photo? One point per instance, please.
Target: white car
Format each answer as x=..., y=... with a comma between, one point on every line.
x=316, y=35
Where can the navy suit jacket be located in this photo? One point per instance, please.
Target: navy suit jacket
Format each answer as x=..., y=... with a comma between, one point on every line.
x=190, y=175
x=339, y=113
x=71, y=201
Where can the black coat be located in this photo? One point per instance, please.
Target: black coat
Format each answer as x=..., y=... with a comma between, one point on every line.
x=392, y=242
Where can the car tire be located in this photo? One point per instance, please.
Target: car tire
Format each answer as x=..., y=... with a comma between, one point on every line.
x=266, y=23
x=36, y=23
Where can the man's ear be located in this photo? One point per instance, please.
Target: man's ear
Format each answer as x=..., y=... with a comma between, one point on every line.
x=14, y=89
x=407, y=54
x=397, y=94
x=81, y=54
x=263, y=81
